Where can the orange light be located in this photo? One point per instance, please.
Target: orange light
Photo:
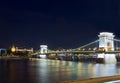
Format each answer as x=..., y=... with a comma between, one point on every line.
x=13, y=49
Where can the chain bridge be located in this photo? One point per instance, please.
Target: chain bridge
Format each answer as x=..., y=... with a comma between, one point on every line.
x=105, y=47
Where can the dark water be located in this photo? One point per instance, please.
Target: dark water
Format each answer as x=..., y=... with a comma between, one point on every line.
x=51, y=71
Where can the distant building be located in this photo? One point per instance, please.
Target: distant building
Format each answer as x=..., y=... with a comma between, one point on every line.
x=18, y=49
x=24, y=49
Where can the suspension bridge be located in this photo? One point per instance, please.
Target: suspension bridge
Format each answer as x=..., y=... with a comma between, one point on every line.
x=105, y=47
x=87, y=49
x=106, y=43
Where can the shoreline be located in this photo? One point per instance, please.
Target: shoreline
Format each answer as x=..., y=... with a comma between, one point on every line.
x=13, y=58
x=94, y=80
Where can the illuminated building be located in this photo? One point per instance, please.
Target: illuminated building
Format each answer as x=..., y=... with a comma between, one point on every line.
x=13, y=49
x=24, y=50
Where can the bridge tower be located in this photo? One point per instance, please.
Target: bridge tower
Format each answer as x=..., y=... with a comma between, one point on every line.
x=106, y=43
x=43, y=49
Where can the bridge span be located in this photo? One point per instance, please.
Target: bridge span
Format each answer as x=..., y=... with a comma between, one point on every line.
x=106, y=44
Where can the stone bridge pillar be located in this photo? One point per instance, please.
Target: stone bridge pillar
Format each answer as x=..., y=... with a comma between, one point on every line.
x=106, y=43
x=43, y=49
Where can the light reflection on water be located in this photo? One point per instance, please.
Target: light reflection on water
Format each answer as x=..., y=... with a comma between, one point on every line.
x=50, y=71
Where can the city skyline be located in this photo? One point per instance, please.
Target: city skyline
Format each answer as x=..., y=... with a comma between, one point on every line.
x=57, y=24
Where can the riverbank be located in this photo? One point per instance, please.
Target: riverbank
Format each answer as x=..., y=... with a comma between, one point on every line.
x=13, y=58
x=81, y=58
x=94, y=80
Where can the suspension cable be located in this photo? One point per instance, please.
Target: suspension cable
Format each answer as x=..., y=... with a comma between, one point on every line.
x=116, y=40
x=89, y=44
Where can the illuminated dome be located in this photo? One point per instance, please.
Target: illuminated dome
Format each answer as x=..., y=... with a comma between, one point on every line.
x=13, y=48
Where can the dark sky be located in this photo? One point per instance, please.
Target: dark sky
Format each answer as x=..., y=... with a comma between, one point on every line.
x=57, y=23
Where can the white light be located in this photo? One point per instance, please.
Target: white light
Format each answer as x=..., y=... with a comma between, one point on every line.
x=42, y=56
x=106, y=42
x=43, y=49
x=117, y=81
x=101, y=55
x=44, y=46
x=110, y=58
x=106, y=34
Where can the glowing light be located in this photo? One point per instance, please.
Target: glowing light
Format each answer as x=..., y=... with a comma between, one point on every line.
x=13, y=49
x=43, y=49
x=42, y=56
x=106, y=42
x=110, y=58
x=116, y=81
x=101, y=55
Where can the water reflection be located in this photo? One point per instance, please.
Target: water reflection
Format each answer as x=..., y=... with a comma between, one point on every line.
x=105, y=69
x=50, y=71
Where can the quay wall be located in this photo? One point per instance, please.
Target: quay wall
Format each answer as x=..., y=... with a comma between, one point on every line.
x=81, y=58
x=94, y=80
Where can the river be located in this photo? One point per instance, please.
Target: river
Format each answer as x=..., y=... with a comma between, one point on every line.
x=51, y=71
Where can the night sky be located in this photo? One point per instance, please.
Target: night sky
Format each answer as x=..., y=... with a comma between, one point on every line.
x=57, y=23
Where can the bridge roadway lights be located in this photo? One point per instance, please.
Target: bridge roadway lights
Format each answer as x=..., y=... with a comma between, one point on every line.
x=106, y=42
